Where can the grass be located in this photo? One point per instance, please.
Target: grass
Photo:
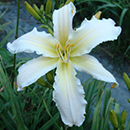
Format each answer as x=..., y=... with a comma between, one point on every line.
x=34, y=108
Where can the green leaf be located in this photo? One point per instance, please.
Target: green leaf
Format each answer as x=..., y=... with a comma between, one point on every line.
x=128, y=126
x=3, y=13
x=13, y=100
x=5, y=54
x=4, y=41
x=96, y=116
x=106, y=99
x=117, y=111
x=122, y=16
x=47, y=125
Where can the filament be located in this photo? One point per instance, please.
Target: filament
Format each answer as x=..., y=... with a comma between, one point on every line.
x=63, y=52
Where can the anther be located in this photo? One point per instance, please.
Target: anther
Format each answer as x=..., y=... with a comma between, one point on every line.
x=55, y=45
x=64, y=52
x=71, y=45
x=58, y=46
x=67, y=45
x=63, y=48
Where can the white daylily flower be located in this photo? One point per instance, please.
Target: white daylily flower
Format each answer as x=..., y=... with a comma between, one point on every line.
x=68, y=49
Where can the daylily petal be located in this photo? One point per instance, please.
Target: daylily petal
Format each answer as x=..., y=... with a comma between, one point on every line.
x=91, y=65
x=69, y=95
x=91, y=33
x=33, y=70
x=41, y=42
x=62, y=20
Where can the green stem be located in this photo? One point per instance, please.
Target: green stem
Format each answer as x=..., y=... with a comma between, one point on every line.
x=44, y=21
x=16, y=36
x=47, y=109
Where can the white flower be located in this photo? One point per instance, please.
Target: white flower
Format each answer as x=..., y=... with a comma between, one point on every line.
x=67, y=50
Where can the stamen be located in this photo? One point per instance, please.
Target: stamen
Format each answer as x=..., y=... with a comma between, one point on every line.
x=68, y=56
x=58, y=52
x=63, y=48
x=71, y=45
x=55, y=45
x=64, y=52
x=67, y=45
x=61, y=55
x=58, y=46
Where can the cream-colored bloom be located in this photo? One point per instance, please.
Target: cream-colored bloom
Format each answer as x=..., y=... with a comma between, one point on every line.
x=67, y=50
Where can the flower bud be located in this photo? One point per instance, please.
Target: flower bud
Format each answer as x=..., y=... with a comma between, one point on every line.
x=98, y=14
x=129, y=100
x=127, y=80
x=123, y=117
x=49, y=77
x=42, y=9
x=122, y=127
x=50, y=31
x=36, y=8
x=44, y=26
x=44, y=83
x=48, y=6
x=68, y=1
x=31, y=11
x=113, y=119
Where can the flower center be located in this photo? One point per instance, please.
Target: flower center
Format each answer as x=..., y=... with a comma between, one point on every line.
x=64, y=52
